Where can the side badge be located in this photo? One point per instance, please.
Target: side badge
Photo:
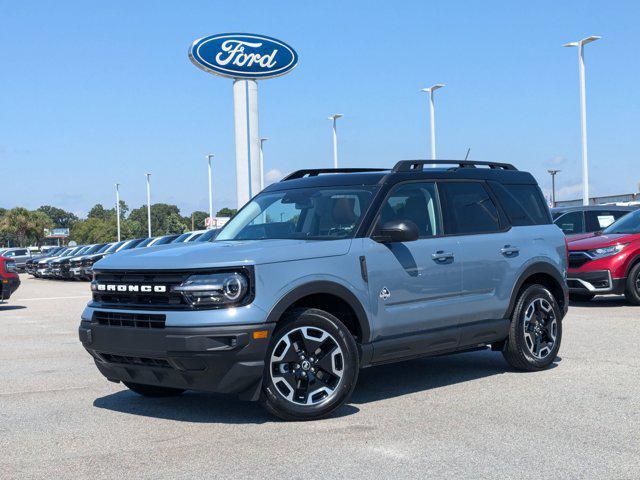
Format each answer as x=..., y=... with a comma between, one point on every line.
x=385, y=293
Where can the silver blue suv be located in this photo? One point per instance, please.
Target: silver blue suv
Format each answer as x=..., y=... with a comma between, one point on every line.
x=331, y=271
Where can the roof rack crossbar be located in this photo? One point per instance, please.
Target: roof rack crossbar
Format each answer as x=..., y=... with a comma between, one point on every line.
x=314, y=172
x=411, y=165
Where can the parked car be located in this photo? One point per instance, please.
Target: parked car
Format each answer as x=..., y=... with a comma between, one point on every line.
x=189, y=236
x=31, y=265
x=45, y=270
x=124, y=245
x=608, y=262
x=581, y=222
x=59, y=268
x=321, y=275
x=9, y=278
x=208, y=236
x=70, y=266
x=78, y=263
x=18, y=255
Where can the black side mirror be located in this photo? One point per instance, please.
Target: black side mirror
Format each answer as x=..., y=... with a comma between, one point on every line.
x=397, y=231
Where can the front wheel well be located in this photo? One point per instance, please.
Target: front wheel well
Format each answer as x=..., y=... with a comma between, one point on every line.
x=547, y=281
x=334, y=305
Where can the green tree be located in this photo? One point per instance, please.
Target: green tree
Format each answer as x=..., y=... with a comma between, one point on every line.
x=199, y=218
x=59, y=217
x=98, y=211
x=165, y=219
x=226, y=212
x=21, y=227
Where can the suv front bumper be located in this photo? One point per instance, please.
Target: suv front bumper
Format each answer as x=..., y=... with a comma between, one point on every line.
x=597, y=282
x=222, y=359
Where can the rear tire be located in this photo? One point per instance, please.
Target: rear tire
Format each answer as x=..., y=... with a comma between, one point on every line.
x=311, y=367
x=153, y=390
x=632, y=290
x=535, y=331
x=581, y=297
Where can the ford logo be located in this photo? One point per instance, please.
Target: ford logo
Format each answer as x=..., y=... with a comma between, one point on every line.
x=243, y=55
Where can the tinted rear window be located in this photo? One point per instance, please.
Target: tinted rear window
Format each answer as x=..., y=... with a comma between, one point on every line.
x=467, y=208
x=523, y=204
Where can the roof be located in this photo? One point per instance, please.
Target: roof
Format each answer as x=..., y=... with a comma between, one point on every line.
x=404, y=170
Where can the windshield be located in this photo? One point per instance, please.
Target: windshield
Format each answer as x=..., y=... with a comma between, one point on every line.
x=207, y=236
x=129, y=244
x=165, y=240
x=145, y=242
x=104, y=248
x=92, y=249
x=319, y=213
x=630, y=223
x=114, y=247
x=182, y=238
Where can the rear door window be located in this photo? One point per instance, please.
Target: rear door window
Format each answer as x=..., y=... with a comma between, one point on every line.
x=571, y=222
x=600, y=219
x=467, y=208
x=523, y=204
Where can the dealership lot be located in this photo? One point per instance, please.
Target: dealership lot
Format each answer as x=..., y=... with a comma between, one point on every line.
x=467, y=415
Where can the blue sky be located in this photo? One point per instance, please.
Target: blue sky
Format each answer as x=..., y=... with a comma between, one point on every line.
x=97, y=92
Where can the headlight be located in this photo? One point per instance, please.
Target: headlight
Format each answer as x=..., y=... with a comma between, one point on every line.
x=607, y=251
x=226, y=289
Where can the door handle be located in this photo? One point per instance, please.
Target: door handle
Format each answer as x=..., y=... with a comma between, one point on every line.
x=509, y=250
x=441, y=256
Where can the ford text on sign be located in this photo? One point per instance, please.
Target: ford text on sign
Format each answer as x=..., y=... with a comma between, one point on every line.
x=243, y=55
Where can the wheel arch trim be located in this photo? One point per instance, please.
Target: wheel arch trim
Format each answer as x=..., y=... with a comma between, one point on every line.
x=328, y=288
x=535, y=269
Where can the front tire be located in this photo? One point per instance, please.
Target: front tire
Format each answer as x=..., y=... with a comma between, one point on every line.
x=152, y=390
x=632, y=290
x=311, y=366
x=535, y=331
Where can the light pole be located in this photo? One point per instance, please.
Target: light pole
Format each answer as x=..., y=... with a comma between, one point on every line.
x=148, y=203
x=262, y=140
x=553, y=174
x=432, y=116
x=583, y=113
x=118, y=208
x=335, y=117
x=209, y=157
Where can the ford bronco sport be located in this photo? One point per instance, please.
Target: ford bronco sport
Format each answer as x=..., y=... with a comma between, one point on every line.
x=330, y=271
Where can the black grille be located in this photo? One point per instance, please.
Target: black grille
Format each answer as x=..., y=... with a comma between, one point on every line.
x=147, y=362
x=577, y=259
x=136, y=320
x=163, y=300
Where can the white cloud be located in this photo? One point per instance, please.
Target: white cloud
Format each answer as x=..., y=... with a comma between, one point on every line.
x=273, y=176
x=566, y=192
x=557, y=160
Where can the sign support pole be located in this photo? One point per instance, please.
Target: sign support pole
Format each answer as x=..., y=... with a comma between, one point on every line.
x=245, y=109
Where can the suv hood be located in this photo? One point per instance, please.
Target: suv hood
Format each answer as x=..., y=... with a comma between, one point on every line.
x=222, y=254
x=599, y=241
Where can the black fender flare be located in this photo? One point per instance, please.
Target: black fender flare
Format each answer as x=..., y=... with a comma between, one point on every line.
x=536, y=268
x=323, y=287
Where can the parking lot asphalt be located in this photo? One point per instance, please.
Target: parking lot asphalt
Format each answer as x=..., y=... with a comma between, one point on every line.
x=462, y=416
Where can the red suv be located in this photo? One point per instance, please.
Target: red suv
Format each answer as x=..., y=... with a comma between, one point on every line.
x=607, y=262
x=9, y=279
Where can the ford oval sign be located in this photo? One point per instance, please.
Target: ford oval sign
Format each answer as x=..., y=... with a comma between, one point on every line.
x=243, y=55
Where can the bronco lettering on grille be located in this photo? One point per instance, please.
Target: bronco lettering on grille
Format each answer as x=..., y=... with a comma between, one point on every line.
x=109, y=287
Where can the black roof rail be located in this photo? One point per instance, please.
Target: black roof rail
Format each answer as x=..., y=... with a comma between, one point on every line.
x=411, y=165
x=314, y=172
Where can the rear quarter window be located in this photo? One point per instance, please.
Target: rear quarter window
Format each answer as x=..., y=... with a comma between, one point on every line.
x=523, y=204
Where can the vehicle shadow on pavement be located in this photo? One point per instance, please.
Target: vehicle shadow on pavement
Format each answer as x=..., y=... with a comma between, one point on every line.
x=398, y=379
x=197, y=407
x=11, y=307
x=602, y=302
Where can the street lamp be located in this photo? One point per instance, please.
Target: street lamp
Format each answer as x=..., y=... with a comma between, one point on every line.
x=335, y=117
x=148, y=203
x=432, y=116
x=209, y=157
x=583, y=113
x=262, y=140
x=553, y=174
x=118, y=208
